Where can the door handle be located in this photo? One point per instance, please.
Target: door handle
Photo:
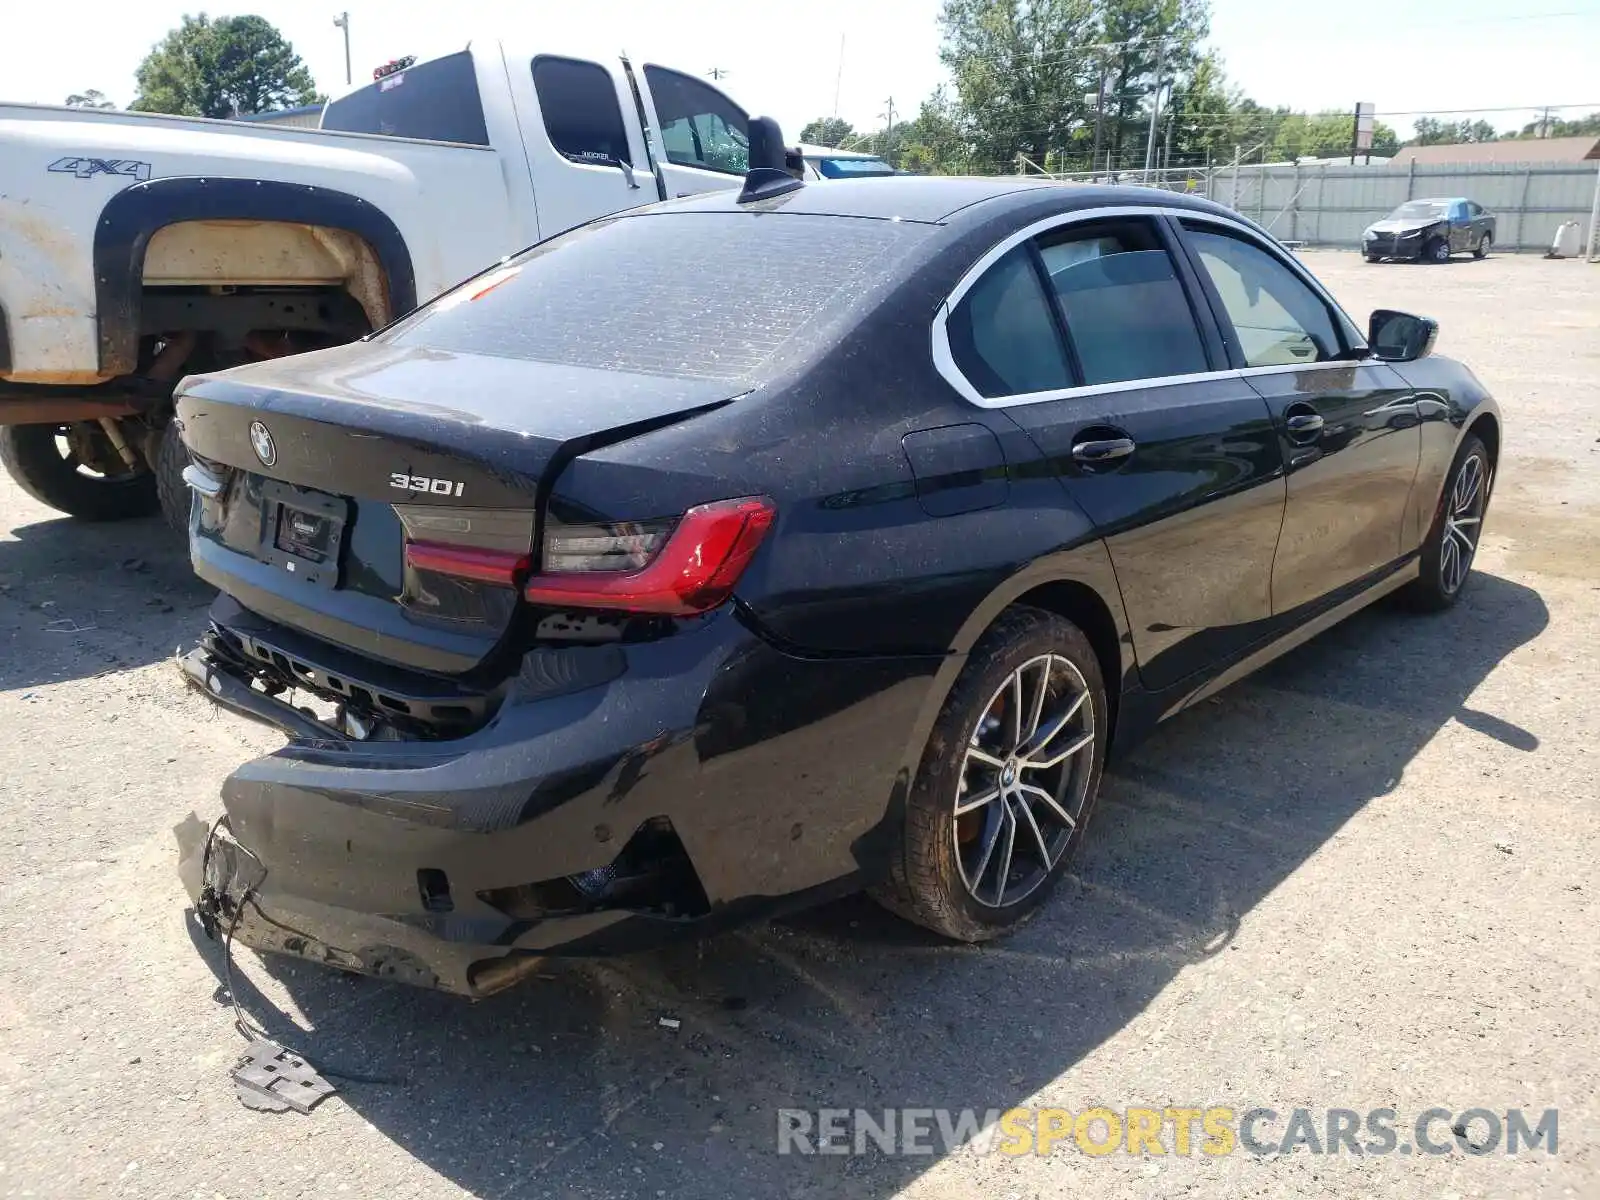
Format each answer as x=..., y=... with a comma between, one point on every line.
x=1304, y=425
x=1106, y=450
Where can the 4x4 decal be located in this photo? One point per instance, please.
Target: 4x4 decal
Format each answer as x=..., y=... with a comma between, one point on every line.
x=85, y=168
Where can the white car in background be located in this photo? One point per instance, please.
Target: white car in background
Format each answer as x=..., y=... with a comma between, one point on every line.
x=824, y=162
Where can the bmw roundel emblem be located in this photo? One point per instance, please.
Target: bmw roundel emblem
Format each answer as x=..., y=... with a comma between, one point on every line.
x=261, y=441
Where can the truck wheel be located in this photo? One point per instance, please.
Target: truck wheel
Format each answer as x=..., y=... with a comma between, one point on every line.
x=171, y=490
x=48, y=463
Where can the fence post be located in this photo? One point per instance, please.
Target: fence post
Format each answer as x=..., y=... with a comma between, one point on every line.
x=1411, y=179
x=1261, y=192
x=1322, y=187
x=1593, y=254
x=1522, y=209
x=1294, y=205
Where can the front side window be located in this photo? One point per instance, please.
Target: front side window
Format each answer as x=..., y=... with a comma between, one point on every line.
x=1002, y=336
x=581, y=111
x=1126, y=313
x=1278, y=319
x=700, y=127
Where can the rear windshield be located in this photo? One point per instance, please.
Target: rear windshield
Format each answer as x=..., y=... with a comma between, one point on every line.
x=685, y=295
x=852, y=168
x=435, y=100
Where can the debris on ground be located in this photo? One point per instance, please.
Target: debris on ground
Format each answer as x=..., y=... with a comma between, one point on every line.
x=272, y=1079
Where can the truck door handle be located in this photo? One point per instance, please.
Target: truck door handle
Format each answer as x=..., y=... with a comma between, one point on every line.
x=1106, y=450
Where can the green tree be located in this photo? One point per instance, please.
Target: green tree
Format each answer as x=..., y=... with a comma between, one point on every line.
x=223, y=68
x=1151, y=44
x=827, y=131
x=1577, y=127
x=1429, y=131
x=935, y=142
x=1021, y=69
x=92, y=98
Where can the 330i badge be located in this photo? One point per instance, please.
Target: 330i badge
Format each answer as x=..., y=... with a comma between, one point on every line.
x=761, y=548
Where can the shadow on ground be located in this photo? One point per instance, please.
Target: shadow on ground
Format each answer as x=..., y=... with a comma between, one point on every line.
x=78, y=599
x=570, y=1086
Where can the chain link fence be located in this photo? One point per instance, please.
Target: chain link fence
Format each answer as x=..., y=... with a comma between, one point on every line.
x=1328, y=204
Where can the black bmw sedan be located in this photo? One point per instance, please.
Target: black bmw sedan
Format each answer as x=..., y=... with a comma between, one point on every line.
x=728, y=555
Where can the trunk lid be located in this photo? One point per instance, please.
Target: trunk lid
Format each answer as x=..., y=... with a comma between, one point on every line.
x=330, y=462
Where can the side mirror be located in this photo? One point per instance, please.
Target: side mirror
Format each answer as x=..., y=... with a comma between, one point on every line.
x=1401, y=337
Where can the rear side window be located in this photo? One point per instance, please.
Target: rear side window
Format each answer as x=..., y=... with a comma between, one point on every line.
x=683, y=295
x=581, y=111
x=1002, y=336
x=1126, y=313
x=1278, y=319
x=700, y=127
x=436, y=100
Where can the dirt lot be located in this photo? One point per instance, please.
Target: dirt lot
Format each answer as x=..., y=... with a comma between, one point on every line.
x=1364, y=878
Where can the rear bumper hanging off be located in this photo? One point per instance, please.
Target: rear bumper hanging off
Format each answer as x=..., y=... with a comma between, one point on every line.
x=686, y=786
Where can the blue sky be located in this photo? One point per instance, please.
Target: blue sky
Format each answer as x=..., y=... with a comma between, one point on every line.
x=784, y=58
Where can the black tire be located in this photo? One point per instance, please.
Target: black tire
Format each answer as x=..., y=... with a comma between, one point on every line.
x=30, y=456
x=1374, y=258
x=927, y=880
x=1481, y=250
x=1441, y=582
x=172, y=492
x=1437, y=250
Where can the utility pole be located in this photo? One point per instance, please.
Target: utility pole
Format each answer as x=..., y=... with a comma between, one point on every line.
x=1099, y=113
x=1542, y=130
x=838, y=79
x=342, y=21
x=888, y=129
x=717, y=73
x=1155, y=109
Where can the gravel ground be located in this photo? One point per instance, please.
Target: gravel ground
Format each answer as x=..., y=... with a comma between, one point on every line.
x=1365, y=877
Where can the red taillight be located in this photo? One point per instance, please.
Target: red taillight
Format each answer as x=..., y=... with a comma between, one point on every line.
x=466, y=562
x=694, y=571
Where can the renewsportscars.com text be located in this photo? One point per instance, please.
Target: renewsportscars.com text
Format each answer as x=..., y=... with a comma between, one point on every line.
x=1212, y=1130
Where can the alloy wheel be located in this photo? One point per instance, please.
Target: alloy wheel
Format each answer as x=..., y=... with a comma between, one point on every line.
x=1463, y=522
x=1024, y=780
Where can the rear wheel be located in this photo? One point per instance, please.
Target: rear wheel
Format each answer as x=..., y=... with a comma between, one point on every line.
x=74, y=468
x=1452, y=541
x=1481, y=250
x=1007, y=784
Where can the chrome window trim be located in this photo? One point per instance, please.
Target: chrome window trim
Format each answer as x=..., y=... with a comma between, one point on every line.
x=944, y=360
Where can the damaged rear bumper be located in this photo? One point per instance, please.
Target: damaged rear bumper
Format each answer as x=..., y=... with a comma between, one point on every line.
x=620, y=797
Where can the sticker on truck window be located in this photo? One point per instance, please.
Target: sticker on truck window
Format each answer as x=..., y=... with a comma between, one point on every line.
x=83, y=167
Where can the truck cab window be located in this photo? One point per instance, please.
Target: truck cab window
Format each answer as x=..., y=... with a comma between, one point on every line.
x=435, y=100
x=581, y=112
x=700, y=127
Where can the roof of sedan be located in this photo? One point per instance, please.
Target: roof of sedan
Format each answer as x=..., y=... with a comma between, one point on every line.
x=921, y=198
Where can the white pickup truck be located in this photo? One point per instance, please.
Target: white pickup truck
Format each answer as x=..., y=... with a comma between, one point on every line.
x=136, y=248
